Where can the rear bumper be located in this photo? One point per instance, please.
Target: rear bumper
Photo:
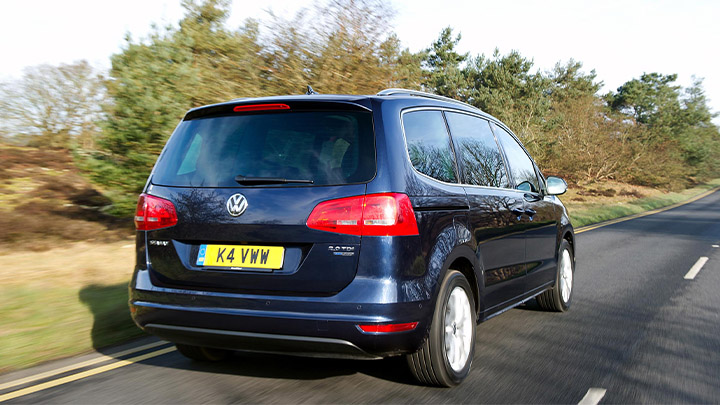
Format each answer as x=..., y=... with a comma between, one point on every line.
x=307, y=326
x=260, y=342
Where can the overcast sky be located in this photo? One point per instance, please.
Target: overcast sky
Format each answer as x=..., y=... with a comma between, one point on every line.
x=619, y=39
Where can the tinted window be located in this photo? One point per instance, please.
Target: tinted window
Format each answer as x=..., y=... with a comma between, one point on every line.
x=325, y=147
x=429, y=145
x=477, y=151
x=521, y=167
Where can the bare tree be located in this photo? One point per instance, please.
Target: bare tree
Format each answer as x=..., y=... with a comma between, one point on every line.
x=53, y=106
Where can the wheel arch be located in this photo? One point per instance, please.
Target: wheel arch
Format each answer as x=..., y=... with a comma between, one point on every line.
x=463, y=259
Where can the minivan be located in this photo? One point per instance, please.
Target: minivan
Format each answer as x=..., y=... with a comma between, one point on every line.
x=346, y=226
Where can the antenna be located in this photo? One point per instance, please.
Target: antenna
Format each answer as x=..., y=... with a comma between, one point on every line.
x=310, y=91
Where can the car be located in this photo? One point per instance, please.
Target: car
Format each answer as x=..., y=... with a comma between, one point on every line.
x=346, y=226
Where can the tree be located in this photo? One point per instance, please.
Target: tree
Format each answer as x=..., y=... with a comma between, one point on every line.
x=339, y=47
x=506, y=87
x=443, y=67
x=54, y=106
x=154, y=82
x=649, y=100
x=675, y=120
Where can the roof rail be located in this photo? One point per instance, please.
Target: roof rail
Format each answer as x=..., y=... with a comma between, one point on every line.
x=396, y=91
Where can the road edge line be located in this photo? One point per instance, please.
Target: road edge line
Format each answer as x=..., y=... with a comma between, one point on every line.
x=75, y=366
x=83, y=374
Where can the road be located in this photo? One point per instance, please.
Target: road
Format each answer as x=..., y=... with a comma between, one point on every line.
x=637, y=329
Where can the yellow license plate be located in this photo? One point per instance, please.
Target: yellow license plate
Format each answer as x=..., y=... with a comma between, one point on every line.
x=241, y=256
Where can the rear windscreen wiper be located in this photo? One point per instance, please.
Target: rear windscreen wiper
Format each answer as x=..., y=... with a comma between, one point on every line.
x=268, y=180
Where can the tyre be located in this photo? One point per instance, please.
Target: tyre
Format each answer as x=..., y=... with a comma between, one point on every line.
x=446, y=355
x=559, y=297
x=201, y=353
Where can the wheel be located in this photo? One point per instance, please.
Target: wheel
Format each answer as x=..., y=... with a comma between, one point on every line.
x=201, y=353
x=559, y=297
x=445, y=357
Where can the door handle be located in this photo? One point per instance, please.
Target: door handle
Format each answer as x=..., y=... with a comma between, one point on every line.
x=517, y=211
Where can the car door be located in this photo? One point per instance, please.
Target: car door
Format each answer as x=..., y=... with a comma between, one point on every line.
x=496, y=226
x=541, y=237
x=538, y=215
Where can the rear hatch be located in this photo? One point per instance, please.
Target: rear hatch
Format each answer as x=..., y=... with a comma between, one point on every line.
x=243, y=180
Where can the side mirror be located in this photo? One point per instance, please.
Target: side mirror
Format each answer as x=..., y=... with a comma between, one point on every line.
x=556, y=185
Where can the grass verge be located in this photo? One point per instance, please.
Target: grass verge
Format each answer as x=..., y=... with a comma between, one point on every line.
x=64, y=301
x=590, y=212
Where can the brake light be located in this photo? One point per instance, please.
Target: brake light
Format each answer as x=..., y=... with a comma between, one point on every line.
x=388, y=328
x=260, y=107
x=154, y=213
x=388, y=214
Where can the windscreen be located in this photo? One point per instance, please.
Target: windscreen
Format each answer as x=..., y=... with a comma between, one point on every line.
x=318, y=148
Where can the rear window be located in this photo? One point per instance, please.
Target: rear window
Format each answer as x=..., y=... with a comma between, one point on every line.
x=329, y=148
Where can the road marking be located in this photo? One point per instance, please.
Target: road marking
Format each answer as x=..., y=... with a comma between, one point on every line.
x=84, y=374
x=695, y=269
x=644, y=214
x=82, y=364
x=716, y=245
x=593, y=396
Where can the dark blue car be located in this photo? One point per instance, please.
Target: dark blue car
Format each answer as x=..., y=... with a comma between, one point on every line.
x=346, y=226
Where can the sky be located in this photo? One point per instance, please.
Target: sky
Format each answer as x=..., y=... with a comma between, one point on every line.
x=620, y=40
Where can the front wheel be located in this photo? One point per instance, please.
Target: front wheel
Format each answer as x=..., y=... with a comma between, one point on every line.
x=559, y=297
x=446, y=355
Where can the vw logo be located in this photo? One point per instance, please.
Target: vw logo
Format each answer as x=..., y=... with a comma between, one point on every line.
x=236, y=204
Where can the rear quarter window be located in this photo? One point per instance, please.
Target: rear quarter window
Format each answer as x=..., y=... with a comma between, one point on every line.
x=428, y=145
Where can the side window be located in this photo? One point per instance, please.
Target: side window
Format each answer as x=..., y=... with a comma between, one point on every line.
x=521, y=167
x=428, y=145
x=477, y=151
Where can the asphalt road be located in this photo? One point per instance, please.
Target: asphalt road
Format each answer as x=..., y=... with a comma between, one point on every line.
x=637, y=329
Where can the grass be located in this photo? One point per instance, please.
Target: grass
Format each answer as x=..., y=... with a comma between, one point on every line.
x=632, y=200
x=64, y=301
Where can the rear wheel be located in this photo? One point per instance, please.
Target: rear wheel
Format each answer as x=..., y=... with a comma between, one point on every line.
x=559, y=297
x=201, y=353
x=446, y=355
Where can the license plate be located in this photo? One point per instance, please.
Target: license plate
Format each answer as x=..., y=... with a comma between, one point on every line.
x=244, y=256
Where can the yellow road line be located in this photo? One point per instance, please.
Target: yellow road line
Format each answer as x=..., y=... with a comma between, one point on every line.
x=644, y=214
x=83, y=374
x=75, y=366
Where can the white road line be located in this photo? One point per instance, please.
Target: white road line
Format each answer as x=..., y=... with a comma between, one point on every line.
x=593, y=396
x=716, y=245
x=695, y=269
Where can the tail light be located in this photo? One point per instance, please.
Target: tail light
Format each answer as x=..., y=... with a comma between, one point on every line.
x=260, y=107
x=388, y=214
x=154, y=213
x=388, y=327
